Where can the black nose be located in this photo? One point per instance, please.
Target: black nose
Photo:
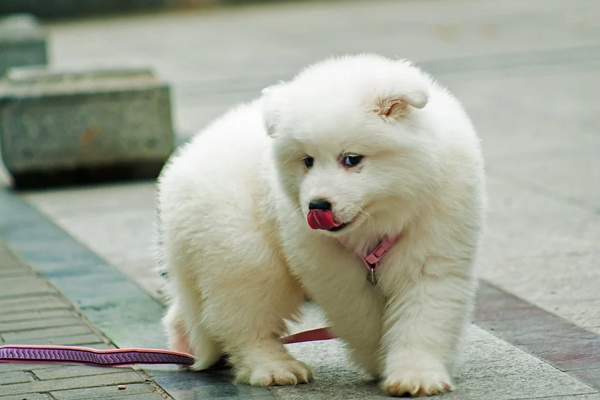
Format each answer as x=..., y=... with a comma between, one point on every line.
x=319, y=204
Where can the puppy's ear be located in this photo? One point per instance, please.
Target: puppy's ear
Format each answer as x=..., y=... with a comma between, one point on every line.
x=398, y=108
x=270, y=99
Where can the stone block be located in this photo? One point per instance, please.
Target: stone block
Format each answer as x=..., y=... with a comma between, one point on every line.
x=73, y=127
x=22, y=42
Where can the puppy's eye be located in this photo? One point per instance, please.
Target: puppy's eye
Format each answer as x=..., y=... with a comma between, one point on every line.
x=352, y=160
x=309, y=161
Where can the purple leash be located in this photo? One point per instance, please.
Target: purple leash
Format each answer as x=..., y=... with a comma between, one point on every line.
x=84, y=355
x=117, y=357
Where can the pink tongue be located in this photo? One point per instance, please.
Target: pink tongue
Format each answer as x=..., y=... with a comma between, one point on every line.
x=321, y=219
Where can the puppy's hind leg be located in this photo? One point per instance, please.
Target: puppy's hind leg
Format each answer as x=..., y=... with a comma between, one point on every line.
x=175, y=328
x=246, y=314
x=190, y=336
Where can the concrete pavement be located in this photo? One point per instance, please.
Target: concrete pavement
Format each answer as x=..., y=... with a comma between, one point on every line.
x=528, y=74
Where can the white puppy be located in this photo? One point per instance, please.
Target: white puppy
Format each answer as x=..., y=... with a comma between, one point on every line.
x=279, y=197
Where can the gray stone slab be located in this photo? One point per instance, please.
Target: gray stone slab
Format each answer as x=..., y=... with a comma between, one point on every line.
x=73, y=383
x=22, y=42
x=103, y=392
x=75, y=370
x=61, y=121
x=14, y=377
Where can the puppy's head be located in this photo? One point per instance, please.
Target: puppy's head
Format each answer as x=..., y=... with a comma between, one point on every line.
x=351, y=139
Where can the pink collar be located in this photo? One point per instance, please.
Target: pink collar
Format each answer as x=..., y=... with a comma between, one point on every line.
x=373, y=259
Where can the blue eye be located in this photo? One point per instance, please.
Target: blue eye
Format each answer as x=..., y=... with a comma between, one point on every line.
x=352, y=160
x=309, y=161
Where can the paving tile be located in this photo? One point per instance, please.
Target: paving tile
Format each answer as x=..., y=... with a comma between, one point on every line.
x=7, y=367
x=14, y=377
x=32, y=303
x=28, y=396
x=71, y=371
x=89, y=339
x=28, y=285
x=30, y=325
x=73, y=383
x=104, y=392
x=34, y=315
x=14, y=337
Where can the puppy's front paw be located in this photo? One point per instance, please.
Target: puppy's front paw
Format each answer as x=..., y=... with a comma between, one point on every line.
x=275, y=373
x=417, y=382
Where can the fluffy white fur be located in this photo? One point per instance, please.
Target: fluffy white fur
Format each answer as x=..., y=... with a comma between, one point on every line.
x=240, y=255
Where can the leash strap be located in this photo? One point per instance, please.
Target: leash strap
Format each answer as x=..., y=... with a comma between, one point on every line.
x=118, y=357
x=84, y=355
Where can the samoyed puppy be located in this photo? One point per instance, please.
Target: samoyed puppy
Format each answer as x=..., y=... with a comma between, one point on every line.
x=284, y=196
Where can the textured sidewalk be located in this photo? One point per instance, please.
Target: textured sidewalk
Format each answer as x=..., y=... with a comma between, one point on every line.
x=32, y=311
